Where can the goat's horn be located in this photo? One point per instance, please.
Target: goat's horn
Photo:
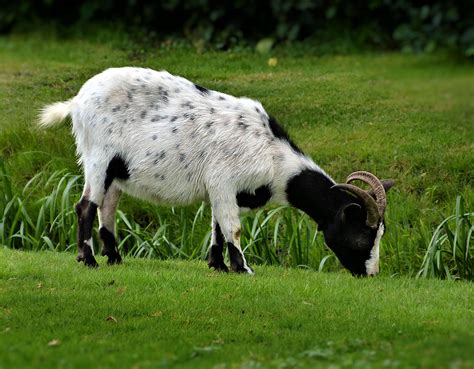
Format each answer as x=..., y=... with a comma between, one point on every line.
x=377, y=188
x=371, y=207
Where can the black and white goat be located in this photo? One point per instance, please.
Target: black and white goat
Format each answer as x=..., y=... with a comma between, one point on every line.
x=163, y=138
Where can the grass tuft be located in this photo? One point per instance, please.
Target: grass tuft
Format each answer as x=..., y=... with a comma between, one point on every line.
x=450, y=253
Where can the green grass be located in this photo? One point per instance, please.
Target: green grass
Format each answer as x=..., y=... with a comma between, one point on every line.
x=407, y=117
x=163, y=314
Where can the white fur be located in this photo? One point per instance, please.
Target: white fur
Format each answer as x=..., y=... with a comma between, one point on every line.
x=372, y=264
x=54, y=114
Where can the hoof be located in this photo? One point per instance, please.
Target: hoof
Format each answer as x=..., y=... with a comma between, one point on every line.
x=242, y=270
x=114, y=258
x=88, y=260
x=219, y=266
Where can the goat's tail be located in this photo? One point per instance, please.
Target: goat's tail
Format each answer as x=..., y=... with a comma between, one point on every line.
x=53, y=114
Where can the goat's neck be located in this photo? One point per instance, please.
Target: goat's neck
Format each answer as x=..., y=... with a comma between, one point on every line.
x=310, y=191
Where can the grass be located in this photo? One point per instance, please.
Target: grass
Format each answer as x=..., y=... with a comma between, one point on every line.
x=162, y=314
x=407, y=117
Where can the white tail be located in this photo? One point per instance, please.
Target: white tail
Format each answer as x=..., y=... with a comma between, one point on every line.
x=54, y=114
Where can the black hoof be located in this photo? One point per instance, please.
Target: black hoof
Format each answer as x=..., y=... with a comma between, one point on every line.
x=219, y=266
x=88, y=260
x=241, y=269
x=237, y=261
x=114, y=258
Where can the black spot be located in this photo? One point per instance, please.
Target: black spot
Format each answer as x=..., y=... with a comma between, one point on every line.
x=209, y=124
x=117, y=108
x=243, y=125
x=117, y=168
x=212, y=110
x=174, y=130
x=202, y=90
x=189, y=116
x=155, y=118
x=279, y=132
x=148, y=153
x=254, y=200
x=110, y=130
x=162, y=177
x=143, y=114
x=182, y=157
x=222, y=98
x=154, y=137
x=163, y=94
x=188, y=177
x=162, y=154
x=188, y=105
x=129, y=95
x=174, y=118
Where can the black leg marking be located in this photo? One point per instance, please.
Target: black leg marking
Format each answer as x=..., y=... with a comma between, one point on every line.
x=86, y=211
x=109, y=246
x=216, y=257
x=236, y=259
x=117, y=168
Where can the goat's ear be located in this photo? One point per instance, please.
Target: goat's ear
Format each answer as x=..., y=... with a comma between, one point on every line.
x=350, y=213
x=387, y=185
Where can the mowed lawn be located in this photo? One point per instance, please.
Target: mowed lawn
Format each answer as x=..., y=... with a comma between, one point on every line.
x=55, y=313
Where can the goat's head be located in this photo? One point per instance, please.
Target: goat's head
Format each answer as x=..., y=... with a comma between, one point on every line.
x=355, y=231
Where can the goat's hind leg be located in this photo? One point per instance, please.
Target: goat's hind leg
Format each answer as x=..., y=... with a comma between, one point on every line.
x=107, y=225
x=85, y=210
x=216, y=256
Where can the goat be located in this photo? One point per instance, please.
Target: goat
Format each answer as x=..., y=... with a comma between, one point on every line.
x=165, y=139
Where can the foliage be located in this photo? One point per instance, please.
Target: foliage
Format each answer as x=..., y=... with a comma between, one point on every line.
x=450, y=253
x=410, y=25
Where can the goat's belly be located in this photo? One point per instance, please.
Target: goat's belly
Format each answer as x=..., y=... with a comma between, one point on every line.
x=163, y=190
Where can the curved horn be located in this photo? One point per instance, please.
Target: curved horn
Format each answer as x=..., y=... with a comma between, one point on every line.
x=371, y=207
x=377, y=188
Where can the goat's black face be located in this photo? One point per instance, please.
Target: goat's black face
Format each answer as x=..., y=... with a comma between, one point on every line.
x=354, y=243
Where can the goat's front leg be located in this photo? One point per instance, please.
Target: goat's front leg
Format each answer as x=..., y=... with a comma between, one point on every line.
x=216, y=251
x=227, y=216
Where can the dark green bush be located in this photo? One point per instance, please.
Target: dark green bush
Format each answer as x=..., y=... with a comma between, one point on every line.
x=409, y=25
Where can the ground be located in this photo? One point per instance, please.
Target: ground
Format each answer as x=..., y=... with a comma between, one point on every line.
x=159, y=314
